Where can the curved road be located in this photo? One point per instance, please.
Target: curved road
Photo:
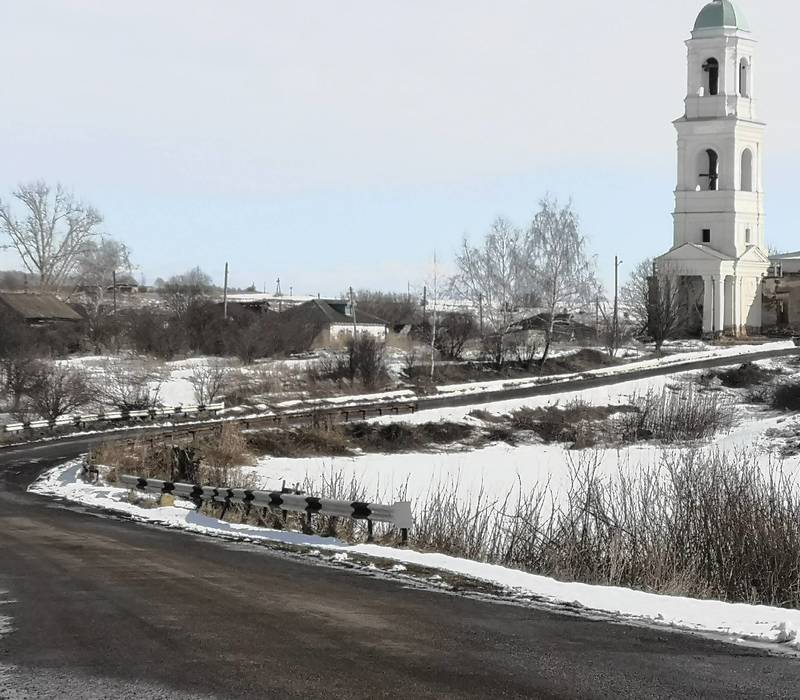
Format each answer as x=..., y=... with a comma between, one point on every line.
x=103, y=608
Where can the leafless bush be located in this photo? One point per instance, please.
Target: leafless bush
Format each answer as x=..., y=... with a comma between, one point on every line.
x=686, y=414
x=58, y=389
x=222, y=456
x=208, y=381
x=129, y=385
x=18, y=375
x=697, y=523
x=366, y=360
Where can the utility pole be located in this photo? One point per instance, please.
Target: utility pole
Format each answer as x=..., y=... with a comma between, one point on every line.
x=225, y=295
x=597, y=317
x=480, y=311
x=114, y=290
x=615, y=327
x=353, y=311
x=433, y=326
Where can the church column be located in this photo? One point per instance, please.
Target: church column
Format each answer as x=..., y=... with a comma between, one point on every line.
x=719, y=304
x=737, y=306
x=757, y=304
x=730, y=305
x=708, y=305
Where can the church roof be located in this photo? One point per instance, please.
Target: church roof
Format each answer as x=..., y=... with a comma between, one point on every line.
x=721, y=13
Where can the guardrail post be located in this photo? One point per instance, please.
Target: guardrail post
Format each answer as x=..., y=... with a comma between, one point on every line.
x=369, y=531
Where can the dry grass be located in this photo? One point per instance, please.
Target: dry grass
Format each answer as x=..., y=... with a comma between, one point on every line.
x=676, y=416
x=221, y=457
x=698, y=524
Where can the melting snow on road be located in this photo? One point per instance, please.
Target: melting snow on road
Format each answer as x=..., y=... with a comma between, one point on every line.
x=754, y=623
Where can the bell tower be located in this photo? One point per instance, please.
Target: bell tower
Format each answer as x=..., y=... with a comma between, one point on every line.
x=719, y=200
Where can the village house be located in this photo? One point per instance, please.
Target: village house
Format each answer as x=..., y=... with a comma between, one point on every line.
x=334, y=321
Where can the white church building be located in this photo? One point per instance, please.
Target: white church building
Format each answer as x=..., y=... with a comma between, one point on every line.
x=718, y=248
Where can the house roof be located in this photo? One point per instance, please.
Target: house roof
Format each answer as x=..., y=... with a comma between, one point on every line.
x=39, y=307
x=334, y=311
x=786, y=256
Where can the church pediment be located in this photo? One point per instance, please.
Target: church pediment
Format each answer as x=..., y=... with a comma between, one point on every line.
x=754, y=254
x=693, y=252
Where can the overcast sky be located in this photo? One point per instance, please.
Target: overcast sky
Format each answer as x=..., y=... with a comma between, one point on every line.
x=340, y=143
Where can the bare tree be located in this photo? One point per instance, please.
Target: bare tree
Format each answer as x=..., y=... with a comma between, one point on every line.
x=365, y=360
x=495, y=276
x=562, y=270
x=208, y=381
x=655, y=298
x=18, y=375
x=58, y=389
x=51, y=234
x=455, y=329
x=100, y=260
x=635, y=294
x=129, y=386
x=180, y=292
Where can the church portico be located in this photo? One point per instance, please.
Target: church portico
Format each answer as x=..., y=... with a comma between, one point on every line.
x=718, y=238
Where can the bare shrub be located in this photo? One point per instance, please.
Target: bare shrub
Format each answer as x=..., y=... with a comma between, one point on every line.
x=218, y=459
x=141, y=458
x=454, y=330
x=208, y=381
x=670, y=416
x=128, y=385
x=58, y=389
x=786, y=397
x=745, y=376
x=299, y=442
x=697, y=523
x=221, y=457
x=577, y=422
x=19, y=375
x=366, y=360
x=404, y=437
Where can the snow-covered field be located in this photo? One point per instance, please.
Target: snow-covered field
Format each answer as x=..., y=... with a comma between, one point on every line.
x=735, y=622
x=498, y=468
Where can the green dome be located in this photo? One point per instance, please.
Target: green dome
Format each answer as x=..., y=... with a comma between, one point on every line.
x=721, y=13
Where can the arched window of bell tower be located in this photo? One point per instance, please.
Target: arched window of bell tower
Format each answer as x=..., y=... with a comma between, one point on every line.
x=711, y=80
x=744, y=78
x=747, y=170
x=708, y=170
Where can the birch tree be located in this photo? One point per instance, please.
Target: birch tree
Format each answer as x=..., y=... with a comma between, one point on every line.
x=51, y=232
x=495, y=277
x=562, y=270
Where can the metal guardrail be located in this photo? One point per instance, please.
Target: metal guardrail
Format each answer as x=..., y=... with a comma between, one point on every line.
x=81, y=421
x=398, y=514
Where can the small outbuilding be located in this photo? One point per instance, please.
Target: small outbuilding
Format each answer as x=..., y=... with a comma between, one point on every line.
x=38, y=309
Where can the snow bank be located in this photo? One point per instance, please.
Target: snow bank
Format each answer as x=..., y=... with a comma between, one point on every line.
x=734, y=352
x=741, y=622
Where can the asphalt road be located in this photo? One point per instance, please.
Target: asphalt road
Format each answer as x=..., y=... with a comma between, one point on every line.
x=103, y=608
